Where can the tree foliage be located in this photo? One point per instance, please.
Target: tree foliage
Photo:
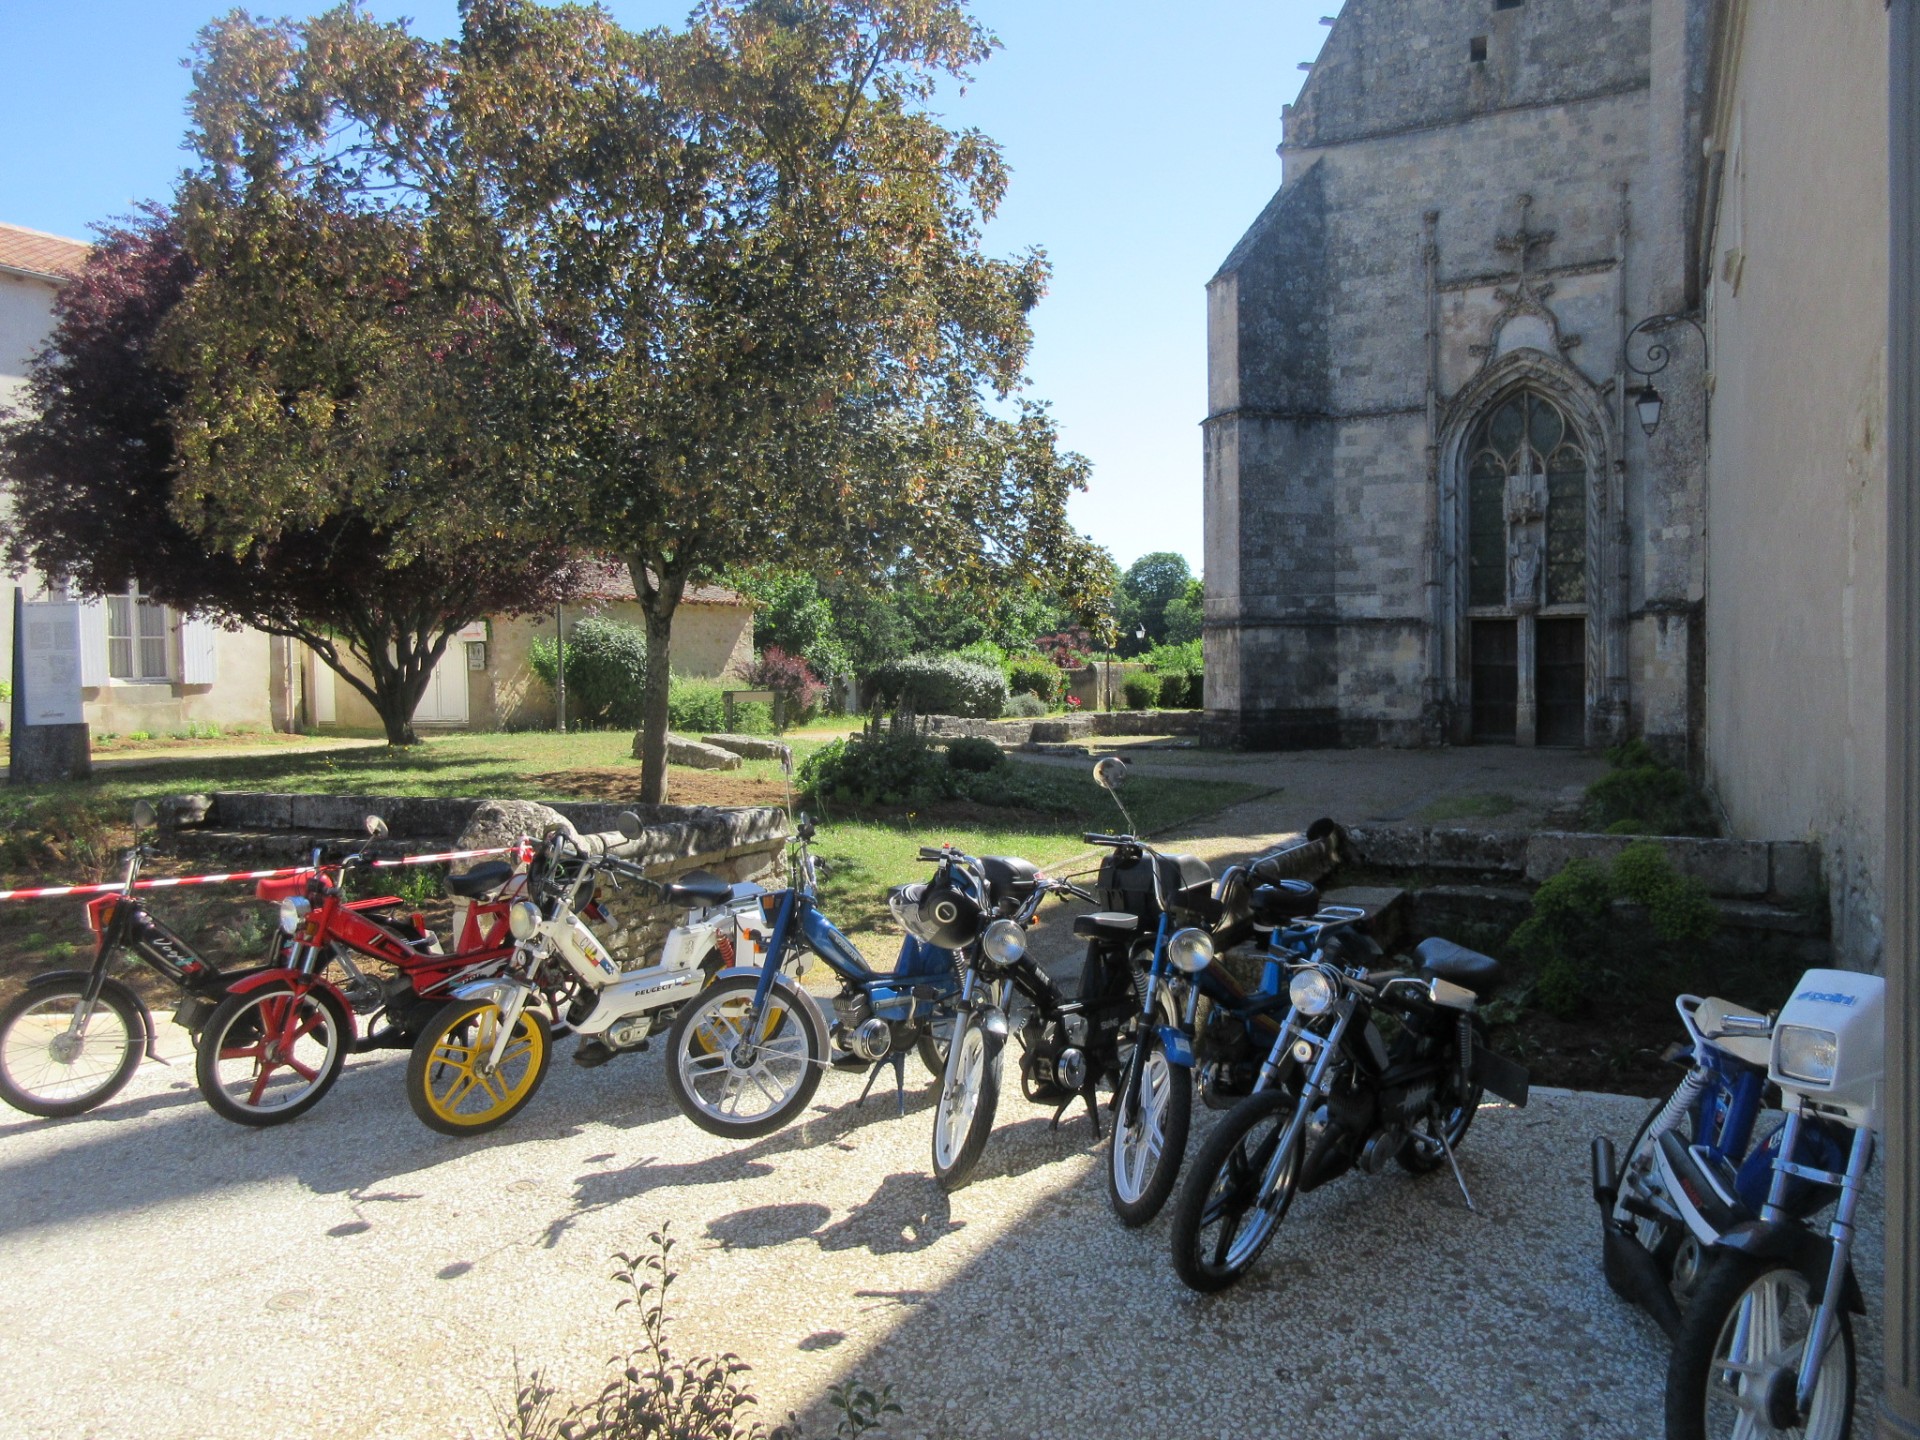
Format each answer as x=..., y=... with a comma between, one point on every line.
x=124, y=467
x=738, y=264
x=1151, y=584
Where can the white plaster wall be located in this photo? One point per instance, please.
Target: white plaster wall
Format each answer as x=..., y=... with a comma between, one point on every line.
x=1796, y=558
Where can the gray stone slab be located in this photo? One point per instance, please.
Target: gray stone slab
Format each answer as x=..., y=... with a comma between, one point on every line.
x=750, y=747
x=1793, y=869
x=682, y=751
x=1729, y=868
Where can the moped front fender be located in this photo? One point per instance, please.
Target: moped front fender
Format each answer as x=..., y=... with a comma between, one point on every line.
x=499, y=990
x=992, y=1019
x=253, y=982
x=1807, y=1251
x=784, y=981
x=123, y=990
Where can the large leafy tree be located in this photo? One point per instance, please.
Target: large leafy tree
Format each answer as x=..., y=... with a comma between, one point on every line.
x=93, y=472
x=1151, y=584
x=742, y=261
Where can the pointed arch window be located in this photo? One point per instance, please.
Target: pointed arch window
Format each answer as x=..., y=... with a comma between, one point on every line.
x=1526, y=438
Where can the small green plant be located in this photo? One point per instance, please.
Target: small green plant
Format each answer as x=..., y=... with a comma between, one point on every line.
x=1025, y=706
x=975, y=756
x=1034, y=675
x=1642, y=795
x=696, y=706
x=889, y=768
x=139, y=735
x=1173, y=691
x=606, y=668
x=658, y=1395
x=1141, y=691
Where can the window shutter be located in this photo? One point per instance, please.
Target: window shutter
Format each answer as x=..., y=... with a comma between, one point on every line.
x=198, y=663
x=93, y=642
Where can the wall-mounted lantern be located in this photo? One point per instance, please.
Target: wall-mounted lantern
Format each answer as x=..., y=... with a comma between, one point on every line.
x=1647, y=400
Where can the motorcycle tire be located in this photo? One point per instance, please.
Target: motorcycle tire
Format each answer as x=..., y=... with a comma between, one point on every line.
x=1143, y=1158
x=1219, y=1227
x=446, y=1086
x=1663, y=1242
x=252, y=1088
x=35, y=1073
x=703, y=1073
x=1743, y=1300
x=969, y=1096
x=936, y=1043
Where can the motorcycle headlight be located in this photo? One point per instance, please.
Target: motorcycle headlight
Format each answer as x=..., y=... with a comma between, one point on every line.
x=1190, y=950
x=294, y=911
x=1803, y=1053
x=1004, y=942
x=523, y=918
x=1310, y=991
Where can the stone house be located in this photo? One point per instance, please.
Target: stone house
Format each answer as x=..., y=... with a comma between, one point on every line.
x=485, y=680
x=143, y=666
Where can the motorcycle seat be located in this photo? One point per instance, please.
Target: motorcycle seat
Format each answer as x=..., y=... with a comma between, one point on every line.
x=1444, y=960
x=697, y=887
x=1106, y=925
x=481, y=881
x=1010, y=881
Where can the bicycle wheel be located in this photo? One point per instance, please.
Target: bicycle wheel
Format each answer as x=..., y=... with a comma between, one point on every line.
x=1222, y=1222
x=48, y=1068
x=268, y=1055
x=1737, y=1357
x=450, y=1084
x=1144, y=1159
x=969, y=1095
x=729, y=1082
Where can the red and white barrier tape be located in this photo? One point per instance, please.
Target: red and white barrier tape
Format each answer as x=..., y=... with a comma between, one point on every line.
x=51, y=892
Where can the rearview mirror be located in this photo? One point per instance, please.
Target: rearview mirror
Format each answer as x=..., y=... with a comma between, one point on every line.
x=628, y=824
x=376, y=827
x=143, y=815
x=1108, y=773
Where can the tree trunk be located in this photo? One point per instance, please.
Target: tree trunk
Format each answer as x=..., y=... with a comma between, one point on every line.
x=396, y=713
x=657, y=604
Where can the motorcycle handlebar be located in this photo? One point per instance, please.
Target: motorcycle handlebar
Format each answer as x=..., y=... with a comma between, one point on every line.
x=1096, y=839
x=929, y=852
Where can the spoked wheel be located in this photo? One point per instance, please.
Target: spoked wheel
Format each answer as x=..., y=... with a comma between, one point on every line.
x=735, y=1076
x=1737, y=1359
x=1221, y=1224
x=54, y=1061
x=1150, y=1121
x=268, y=1055
x=453, y=1084
x=969, y=1095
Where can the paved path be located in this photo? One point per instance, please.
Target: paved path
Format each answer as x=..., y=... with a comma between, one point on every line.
x=170, y=1276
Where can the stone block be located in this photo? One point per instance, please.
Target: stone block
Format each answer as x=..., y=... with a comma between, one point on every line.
x=750, y=747
x=252, y=810
x=178, y=811
x=1485, y=852
x=1728, y=868
x=1391, y=847
x=1386, y=906
x=1793, y=868
x=1056, y=732
x=503, y=822
x=682, y=751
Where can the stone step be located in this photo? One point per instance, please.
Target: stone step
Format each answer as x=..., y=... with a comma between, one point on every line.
x=1388, y=910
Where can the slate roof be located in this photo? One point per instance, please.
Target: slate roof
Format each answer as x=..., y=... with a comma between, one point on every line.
x=51, y=257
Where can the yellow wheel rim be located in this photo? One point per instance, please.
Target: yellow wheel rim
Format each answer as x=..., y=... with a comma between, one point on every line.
x=459, y=1088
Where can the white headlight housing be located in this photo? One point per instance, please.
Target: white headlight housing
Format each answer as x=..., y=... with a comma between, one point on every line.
x=1310, y=991
x=1804, y=1053
x=1190, y=950
x=523, y=918
x=1004, y=942
x=294, y=911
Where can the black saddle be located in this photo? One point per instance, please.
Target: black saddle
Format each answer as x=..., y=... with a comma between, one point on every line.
x=1106, y=925
x=697, y=887
x=480, y=882
x=1444, y=960
x=1010, y=881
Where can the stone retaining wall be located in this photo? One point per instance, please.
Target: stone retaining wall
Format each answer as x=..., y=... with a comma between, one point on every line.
x=1053, y=729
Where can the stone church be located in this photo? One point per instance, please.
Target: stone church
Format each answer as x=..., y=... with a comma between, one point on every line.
x=1432, y=514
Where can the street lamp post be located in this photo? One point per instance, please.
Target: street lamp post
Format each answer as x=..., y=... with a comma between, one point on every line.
x=1647, y=400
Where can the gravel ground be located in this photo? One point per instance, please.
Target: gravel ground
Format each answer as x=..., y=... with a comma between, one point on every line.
x=355, y=1275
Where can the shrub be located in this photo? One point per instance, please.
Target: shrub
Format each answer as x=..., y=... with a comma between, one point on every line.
x=940, y=685
x=984, y=652
x=789, y=677
x=696, y=707
x=1182, y=659
x=1025, y=706
x=1034, y=675
x=1141, y=691
x=1642, y=795
x=606, y=669
x=1173, y=691
x=1068, y=649
x=890, y=768
x=975, y=756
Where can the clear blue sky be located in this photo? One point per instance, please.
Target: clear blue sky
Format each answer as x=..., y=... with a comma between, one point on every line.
x=1141, y=135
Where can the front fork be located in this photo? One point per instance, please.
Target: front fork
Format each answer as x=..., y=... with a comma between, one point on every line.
x=509, y=1011
x=1313, y=1088
x=1825, y=1315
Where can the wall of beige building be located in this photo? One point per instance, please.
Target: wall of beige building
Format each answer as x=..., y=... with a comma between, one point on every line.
x=1796, y=557
x=504, y=693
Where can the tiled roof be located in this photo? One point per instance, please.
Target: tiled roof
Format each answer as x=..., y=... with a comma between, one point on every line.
x=37, y=253
x=610, y=581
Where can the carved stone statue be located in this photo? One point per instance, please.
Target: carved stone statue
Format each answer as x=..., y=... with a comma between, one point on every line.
x=1526, y=573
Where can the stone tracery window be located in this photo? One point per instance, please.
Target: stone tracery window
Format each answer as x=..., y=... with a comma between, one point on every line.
x=1525, y=464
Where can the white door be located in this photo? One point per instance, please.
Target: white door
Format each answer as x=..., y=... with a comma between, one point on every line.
x=445, y=699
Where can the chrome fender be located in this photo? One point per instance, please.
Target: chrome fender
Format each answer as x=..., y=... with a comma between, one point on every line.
x=993, y=1020
x=500, y=990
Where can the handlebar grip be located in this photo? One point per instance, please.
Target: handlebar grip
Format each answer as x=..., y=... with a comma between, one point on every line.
x=1107, y=839
x=929, y=852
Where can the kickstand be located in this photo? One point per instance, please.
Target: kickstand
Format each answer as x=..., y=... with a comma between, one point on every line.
x=898, y=1060
x=1093, y=1110
x=1440, y=1131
